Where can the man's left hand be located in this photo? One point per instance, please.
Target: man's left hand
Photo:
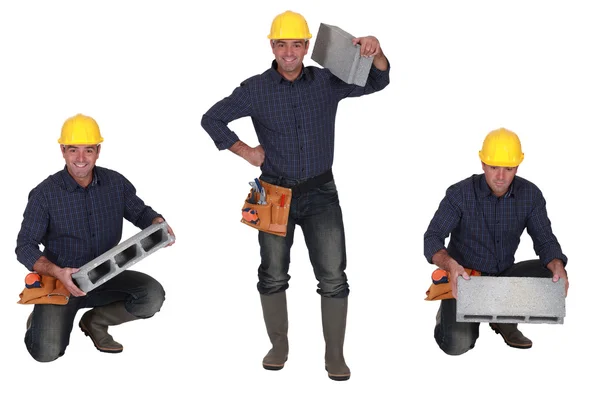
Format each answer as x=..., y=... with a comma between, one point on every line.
x=558, y=270
x=159, y=220
x=369, y=45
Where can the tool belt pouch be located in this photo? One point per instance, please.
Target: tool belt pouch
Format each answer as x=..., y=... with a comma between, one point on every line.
x=443, y=291
x=51, y=291
x=271, y=217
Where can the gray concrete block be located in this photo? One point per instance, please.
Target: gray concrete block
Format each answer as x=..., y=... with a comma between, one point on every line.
x=333, y=49
x=124, y=255
x=510, y=300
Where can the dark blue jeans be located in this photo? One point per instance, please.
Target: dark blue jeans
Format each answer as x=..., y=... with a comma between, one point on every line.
x=51, y=325
x=319, y=215
x=456, y=338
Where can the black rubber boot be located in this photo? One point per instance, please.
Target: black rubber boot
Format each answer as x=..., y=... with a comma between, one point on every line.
x=512, y=336
x=274, y=308
x=333, y=313
x=96, y=321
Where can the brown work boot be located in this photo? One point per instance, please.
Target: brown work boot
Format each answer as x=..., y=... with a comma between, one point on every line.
x=512, y=336
x=95, y=323
x=333, y=314
x=274, y=308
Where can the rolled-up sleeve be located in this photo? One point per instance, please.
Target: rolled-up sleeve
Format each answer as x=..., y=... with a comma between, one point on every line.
x=376, y=81
x=445, y=219
x=545, y=243
x=33, y=229
x=216, y=119
x=136, y=211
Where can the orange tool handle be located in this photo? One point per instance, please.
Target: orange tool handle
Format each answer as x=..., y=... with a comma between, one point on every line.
x=439, y=276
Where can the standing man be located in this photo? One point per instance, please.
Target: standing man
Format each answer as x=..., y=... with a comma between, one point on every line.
x=293, y=110
x=485, y=216
x=77, y=215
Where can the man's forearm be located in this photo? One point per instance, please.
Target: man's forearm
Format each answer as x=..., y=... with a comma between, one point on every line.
x=443, y=260
x=240, y=148
x=43, y=266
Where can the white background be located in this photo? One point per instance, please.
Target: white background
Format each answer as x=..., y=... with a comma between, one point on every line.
x=147, y=71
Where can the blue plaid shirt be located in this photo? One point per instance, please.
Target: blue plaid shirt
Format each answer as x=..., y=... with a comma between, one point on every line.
x=294, y=121
x=486, y=230
x=77, y=224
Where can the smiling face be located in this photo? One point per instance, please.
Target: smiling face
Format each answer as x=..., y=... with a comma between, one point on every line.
x=499, y=178
x=80, y=161
x=289, y=54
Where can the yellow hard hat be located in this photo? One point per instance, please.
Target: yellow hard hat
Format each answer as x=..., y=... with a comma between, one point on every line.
x=80, y=130
x=289, y=25
x=501, y=148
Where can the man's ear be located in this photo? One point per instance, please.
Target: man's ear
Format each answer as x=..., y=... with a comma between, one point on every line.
x=98, y=149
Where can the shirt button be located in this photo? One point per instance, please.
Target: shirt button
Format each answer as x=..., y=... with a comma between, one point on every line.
x=93, y=235
x=299, y=127
x=497, y=241
x=301, y=147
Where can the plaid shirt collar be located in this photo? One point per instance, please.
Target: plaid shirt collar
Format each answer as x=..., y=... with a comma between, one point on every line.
x=485, y=191
x=278, y=78
x=71, y=185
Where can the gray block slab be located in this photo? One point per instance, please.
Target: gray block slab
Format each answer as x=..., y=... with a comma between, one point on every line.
x=333, y=49
x=124, y=255
x=510, y=300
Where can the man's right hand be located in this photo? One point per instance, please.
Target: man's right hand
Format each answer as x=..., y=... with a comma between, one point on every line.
x=254, y=155
x=443, y=260
x=43, y=266
x=64, y=275
x=456, y=270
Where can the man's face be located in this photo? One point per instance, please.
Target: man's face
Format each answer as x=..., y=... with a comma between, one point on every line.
x=80, y=161
x=499, y=178
x=289, y=55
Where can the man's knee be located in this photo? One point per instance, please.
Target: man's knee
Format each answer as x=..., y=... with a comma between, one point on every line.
x=150, y=302
x=45, y=352
x=455, y=343
x=455, y=349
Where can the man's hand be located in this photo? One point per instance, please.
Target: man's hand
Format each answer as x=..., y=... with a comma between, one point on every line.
x=43, y=266
x=456, y=271
x=159, y=220
x=370, y=47
x=64, y=275
x=254, y=155
x=558, y=270
x=443, y=260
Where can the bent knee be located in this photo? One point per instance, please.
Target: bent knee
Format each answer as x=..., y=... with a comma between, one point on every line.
x=48, y=353
x=455, y=350
x=147, y=302
x=454, y=343
x=456, y=346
